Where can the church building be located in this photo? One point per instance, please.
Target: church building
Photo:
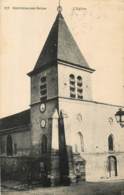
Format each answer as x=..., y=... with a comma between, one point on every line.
x=73, y=136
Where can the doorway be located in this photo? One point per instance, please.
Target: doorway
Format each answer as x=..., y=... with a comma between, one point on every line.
x=112, y=166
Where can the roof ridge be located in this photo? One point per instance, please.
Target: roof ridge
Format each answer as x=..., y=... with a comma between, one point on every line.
x=11, y=115
x=21, y=118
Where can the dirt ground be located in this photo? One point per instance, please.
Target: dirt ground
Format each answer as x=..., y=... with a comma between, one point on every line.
x=85, y=188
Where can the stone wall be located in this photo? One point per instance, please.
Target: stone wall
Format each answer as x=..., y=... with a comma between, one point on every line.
x=95, y=121
x=25, y=169
x=21, y=142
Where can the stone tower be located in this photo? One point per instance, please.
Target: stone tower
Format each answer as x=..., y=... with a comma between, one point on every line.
x=52, y=80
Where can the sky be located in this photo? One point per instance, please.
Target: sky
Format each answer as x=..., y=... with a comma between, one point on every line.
x=98, y=28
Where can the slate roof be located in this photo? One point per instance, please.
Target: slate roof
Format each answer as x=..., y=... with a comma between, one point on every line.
x=19, y=119
x=60, y=45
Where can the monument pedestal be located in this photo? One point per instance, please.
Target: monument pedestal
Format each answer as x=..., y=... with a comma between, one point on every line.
x=55, y=169
x=55, y=160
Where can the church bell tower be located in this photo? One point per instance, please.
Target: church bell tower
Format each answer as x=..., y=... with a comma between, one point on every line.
x=61, y=71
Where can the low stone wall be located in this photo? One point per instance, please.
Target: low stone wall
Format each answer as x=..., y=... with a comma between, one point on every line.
x=23, y=169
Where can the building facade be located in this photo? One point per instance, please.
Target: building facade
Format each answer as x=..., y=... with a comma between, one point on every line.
x=73, y=136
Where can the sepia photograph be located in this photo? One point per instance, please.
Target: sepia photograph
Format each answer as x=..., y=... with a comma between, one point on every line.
x=62, y=97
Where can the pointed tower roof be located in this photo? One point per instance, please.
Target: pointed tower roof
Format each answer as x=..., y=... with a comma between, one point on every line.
x=60, y=46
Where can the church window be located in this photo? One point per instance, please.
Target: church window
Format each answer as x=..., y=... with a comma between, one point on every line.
x=43, y=88
x=43, y=92
x=9, y=146
x=43, y=79
x=44, y=144
x=79, y=87
x=110, y=143
x=2, y=146
x=72, y=86
x=15, y=148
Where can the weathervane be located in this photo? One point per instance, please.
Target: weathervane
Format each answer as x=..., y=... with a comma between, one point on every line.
x=59, y=8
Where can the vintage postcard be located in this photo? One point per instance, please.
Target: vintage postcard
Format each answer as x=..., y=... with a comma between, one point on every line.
x=62, y=97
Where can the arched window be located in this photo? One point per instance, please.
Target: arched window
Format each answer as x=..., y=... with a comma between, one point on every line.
x=79, y=87
x=15, y=149
x=43, y=88
x=110, y=143
x=112, y=166
x=9, y=146
x=44, y=144
x=72, y=86
x=81, y=141
x=79, y=145
x=2, y=145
